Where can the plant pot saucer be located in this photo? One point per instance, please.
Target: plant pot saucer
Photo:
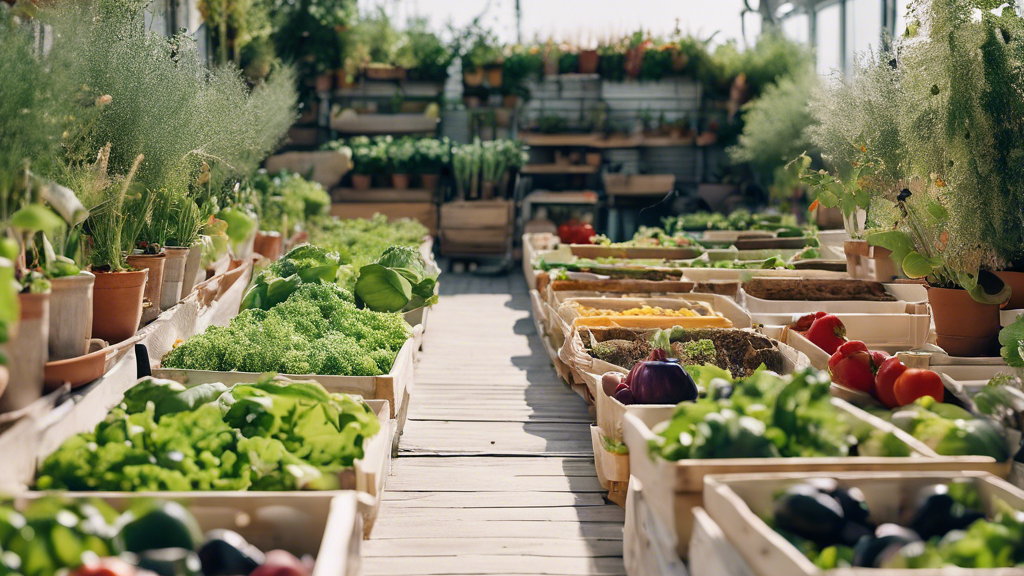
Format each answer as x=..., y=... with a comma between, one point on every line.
x=87, y=368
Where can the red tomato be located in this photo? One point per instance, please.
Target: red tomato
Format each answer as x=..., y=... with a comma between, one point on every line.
x=584, y=232
x=914, y=384
x=851, y=366
x=889, y=371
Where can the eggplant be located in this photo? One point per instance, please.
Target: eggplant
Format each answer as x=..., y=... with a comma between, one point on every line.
x=933, y=512
x=889, y=539
x=227, y=553
x=855, y=507
x=811, y=514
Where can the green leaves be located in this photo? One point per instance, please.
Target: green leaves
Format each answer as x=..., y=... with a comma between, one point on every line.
x=398, y=281
x=917, y=266
x=984, y=286
x=35, y=218
x=1011, y=338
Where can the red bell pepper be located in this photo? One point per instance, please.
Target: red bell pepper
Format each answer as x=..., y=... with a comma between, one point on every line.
x=851, y=366
x=827, y=332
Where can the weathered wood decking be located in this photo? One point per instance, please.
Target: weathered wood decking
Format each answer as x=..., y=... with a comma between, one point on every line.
x=495, y=473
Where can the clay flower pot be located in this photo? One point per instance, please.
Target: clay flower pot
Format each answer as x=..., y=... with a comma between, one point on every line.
x=324, y=82
x=964, y=326
x=510, y=101
x=27, y=354
x=593, y=158
x=400, y=181
x=495, y=76
x=362, y=181
x=588, y=61
x=192, y=264
x=1015, y=280
x=155, y=264
x=174, y=276
x=431, y=181
x=76, y=371
x=269, y=244
x=70, y=315
x=474, y=77
x=117, y=304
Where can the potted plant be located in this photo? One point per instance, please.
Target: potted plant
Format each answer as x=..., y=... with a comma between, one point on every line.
x=588, y=61
x=402, y=154
x=466, y=161
x=492, y=168
x=114, y=226
x=183, y=232
x=633, y=60
x=10, y=309
x=433, y=155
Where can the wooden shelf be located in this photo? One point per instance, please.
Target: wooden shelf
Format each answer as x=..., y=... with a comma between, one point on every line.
x=382, y=195
x=559, y=169
x=600, y=141
x=567, y=197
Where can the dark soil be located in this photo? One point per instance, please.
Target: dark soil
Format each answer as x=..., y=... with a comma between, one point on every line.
x=820, y=290
x=738, y=351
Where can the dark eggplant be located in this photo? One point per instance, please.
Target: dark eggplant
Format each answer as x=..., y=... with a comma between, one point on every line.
x=889, y=539
x=170, y=562
x=807, y=512
x=719, y=389
x=933, y=513
x=226, y=553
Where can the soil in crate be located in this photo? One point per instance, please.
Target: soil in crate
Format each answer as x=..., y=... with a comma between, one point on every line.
x=817, y=290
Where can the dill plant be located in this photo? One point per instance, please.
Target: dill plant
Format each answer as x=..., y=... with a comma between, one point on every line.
x=941, y=117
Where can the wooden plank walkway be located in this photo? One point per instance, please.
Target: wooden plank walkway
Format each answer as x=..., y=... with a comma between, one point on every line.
x=495, y=473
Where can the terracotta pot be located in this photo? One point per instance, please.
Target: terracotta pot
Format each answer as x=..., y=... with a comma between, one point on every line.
x=155, y=264
x=70, y=315
x=269, y=244
x=324, y=82
x=487, y=190
x=174, y=276
x=5, y=377
x=1015, y=280
x=964, y=326
x=400, y=181
x=494, y=77
x=117, y=304
x=385, y=73
x=431, y=181
x=471, y=101
x=341, y=79
x=510, y=101
x=474, y=77
x=593, y=158
x=588, y=61
x=27, y=354
x=634, y=61
x=361, y=181
x=76, y=371
x=192, y=264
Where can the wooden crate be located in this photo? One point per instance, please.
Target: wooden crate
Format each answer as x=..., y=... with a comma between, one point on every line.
x=647, y=548
x=493, y=240
x=424, y=212
x=675, y=488
x=367, y=474
x=598, y=251
x=638, y=184
x=612, y=469
x=326, y=526
x=736, y=504
x=478, y=214
x=729, y=314
x=395, y=387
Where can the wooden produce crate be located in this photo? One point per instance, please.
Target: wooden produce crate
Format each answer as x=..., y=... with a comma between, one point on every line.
x=647, y=548
x=638, y=184
x=612, y=468
x=479, y=227
x=711, y=551
x=731, y=275
x=395, y=387
x=424, y=212
x=675, y=488
x=367, y=475
x=889, y=332
x=655, y=252
x=762, y=306
x=326, y=526
x=728, y=313
x=553, y=288
x=737, y=504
